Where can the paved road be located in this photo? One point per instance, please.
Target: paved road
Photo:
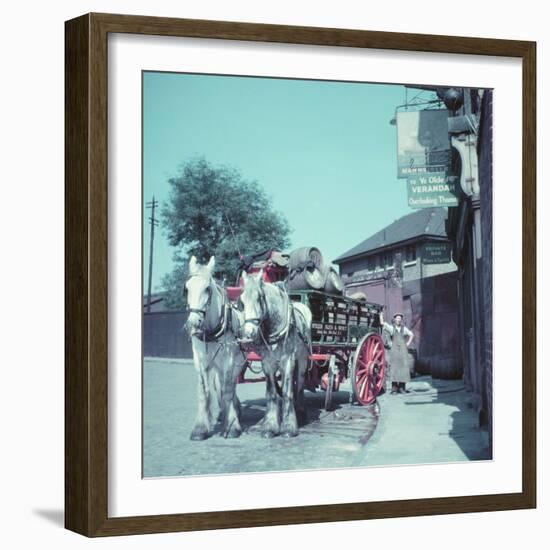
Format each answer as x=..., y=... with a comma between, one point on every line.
x=432, y=424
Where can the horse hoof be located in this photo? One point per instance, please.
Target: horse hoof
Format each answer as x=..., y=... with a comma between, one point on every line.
x=268, y=434
x=198, y=436
x=234, y=433
x=289, y=433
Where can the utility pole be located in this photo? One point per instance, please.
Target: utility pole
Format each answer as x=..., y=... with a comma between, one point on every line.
x=153, y=222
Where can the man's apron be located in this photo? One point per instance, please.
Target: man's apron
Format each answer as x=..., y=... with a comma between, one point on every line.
x=399, y=358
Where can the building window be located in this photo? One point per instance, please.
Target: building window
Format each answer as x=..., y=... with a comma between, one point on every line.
x=388, y=259
x=371, y=264
x=410, y=253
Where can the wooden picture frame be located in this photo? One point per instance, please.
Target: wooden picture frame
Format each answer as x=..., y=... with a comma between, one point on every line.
x=86, y=222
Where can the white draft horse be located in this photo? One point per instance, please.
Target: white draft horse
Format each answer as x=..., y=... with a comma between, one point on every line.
x=280, y=332
x=213, y=324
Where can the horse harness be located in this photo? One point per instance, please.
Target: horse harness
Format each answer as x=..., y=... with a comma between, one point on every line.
x=281, y=335
x=225, y=322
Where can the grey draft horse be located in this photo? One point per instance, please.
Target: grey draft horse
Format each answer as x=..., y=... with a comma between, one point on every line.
x=280, y=332
x=213, y=324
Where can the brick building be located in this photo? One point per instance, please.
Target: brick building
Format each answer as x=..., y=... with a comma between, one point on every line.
x=389, y=268
x=470, y=230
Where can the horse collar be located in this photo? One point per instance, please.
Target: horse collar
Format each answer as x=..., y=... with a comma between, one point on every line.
x=219, y=330
x=275, y=338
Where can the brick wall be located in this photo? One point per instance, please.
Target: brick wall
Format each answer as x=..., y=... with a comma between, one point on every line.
x=427, y=296
x=431, y=311
x=410, y=270
x=485, y=150
x=417, y=270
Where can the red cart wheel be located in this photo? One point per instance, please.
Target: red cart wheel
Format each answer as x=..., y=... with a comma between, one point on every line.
x=369, y=368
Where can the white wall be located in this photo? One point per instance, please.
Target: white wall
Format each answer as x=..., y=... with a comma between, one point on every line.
x=31, y=393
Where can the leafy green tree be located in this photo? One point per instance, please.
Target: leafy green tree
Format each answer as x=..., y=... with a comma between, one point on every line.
x=172, y=283
x=212, y=210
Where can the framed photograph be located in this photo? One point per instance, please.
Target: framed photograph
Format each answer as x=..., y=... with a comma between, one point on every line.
x=300, y=275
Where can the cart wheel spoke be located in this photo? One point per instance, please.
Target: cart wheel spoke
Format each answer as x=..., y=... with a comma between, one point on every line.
x=361, y=370
x=367, y=389
x=362, y=379
x=364, y=384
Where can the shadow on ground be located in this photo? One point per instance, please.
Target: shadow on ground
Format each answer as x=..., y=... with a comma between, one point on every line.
x=253, y=410
x=464, y=428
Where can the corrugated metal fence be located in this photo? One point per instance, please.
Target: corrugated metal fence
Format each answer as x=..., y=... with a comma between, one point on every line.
x=164, y=335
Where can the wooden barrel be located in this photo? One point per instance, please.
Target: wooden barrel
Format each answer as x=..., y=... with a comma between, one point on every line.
x=304, y=255
x=333, y=282
x=446, y=367
x=413, y=362
x=422, y=365
x=305, y=279
x=359, y=295
x=305, y=269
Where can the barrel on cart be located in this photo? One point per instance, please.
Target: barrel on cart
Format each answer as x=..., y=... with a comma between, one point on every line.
x=346, y=338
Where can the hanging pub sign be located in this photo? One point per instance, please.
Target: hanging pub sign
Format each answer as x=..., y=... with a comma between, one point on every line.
x=423, y=143
x=432, y=189
x=435, y=253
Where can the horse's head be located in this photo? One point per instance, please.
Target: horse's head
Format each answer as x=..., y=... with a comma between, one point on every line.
x=254, y=305
x=199, y=294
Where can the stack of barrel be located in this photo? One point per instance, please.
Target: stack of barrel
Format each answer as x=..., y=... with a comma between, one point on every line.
x=307, y=271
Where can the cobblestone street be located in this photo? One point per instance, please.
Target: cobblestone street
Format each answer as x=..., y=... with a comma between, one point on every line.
x=432, y=423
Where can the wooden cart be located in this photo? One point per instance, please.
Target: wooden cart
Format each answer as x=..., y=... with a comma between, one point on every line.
x=346, y=343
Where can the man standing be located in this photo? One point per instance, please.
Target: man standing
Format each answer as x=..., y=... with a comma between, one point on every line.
x=401, y=338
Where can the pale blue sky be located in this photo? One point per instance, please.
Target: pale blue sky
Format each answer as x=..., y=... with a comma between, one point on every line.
x=324, y=151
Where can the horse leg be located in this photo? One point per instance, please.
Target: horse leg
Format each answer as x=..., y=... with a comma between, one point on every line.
x=202, y=427
x=289, y=425
x=231, y=426
x=271, y=422
x=299, y=376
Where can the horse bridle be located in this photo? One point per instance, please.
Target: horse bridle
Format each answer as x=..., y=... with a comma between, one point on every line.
x=206, y=304
x=225, y=320
x=263, y=311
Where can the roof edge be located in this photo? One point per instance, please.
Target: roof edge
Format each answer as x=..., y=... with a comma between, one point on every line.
x=424, y=237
